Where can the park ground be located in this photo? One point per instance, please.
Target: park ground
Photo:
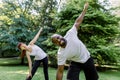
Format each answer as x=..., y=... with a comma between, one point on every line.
x=14, y=71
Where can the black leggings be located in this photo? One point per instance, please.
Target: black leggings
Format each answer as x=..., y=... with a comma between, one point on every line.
x=88, y=68
x=35, y=66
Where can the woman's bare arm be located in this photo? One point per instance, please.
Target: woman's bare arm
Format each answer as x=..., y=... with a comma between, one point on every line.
x=36, y=37
x=29, y=63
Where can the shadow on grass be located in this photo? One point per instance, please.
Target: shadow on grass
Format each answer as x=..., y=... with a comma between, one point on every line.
x=15, y=61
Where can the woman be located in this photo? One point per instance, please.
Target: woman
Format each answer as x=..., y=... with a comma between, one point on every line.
x=40, y=56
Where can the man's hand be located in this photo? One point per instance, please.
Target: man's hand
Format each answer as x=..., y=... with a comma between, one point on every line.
x=59, y=74
x=81, y=16
x=86, y=5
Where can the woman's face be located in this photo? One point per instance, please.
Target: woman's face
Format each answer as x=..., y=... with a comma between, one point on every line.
x=23, y=46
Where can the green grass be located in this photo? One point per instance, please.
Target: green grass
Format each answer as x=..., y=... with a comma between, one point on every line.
x=17, y=72
x=20, y=73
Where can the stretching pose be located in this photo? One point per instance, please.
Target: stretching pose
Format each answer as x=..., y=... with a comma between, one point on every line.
x=40, y=56
x=71, y=48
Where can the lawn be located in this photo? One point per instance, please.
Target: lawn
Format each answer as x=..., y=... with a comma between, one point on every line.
x=17, y=72
x=20, y=72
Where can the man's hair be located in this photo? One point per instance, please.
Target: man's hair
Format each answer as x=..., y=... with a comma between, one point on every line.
x=19, y=44
x=54, y=35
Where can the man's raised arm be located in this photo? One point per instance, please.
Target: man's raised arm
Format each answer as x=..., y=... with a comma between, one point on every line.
x=81, y=16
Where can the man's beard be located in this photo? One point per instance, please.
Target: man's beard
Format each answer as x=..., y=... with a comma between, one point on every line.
x=62, y=42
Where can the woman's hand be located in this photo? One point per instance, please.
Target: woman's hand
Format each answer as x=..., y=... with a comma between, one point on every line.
x=29, y=76
x=41, y=29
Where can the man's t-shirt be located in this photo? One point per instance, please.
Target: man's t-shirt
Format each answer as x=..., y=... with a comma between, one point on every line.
x=75, y=50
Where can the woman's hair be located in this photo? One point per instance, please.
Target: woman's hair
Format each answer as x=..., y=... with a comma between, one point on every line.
x=23, y=52
x=19, y=44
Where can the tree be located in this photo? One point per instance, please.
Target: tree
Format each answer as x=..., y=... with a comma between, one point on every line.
x=98, y=30
x=15, y=27
x=23, y=19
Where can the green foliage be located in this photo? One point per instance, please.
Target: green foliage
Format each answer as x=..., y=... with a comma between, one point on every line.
x=98, y=30
x=19, y=21
x=13, y=30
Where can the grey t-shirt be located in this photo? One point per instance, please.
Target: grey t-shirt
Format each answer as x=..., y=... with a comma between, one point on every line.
x=37, y=52
x=75, y=50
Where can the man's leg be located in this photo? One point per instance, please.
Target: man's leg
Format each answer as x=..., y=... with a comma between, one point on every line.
x=74, y=71
x=90, y=70
x=35, y=66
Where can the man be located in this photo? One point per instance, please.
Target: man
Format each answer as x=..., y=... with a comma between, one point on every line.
x=71, y=48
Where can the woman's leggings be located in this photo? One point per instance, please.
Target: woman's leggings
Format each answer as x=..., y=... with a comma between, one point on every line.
x=35, y=66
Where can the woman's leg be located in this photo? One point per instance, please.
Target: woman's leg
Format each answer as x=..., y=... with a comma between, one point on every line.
x=45, y=68
x=35, y=66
